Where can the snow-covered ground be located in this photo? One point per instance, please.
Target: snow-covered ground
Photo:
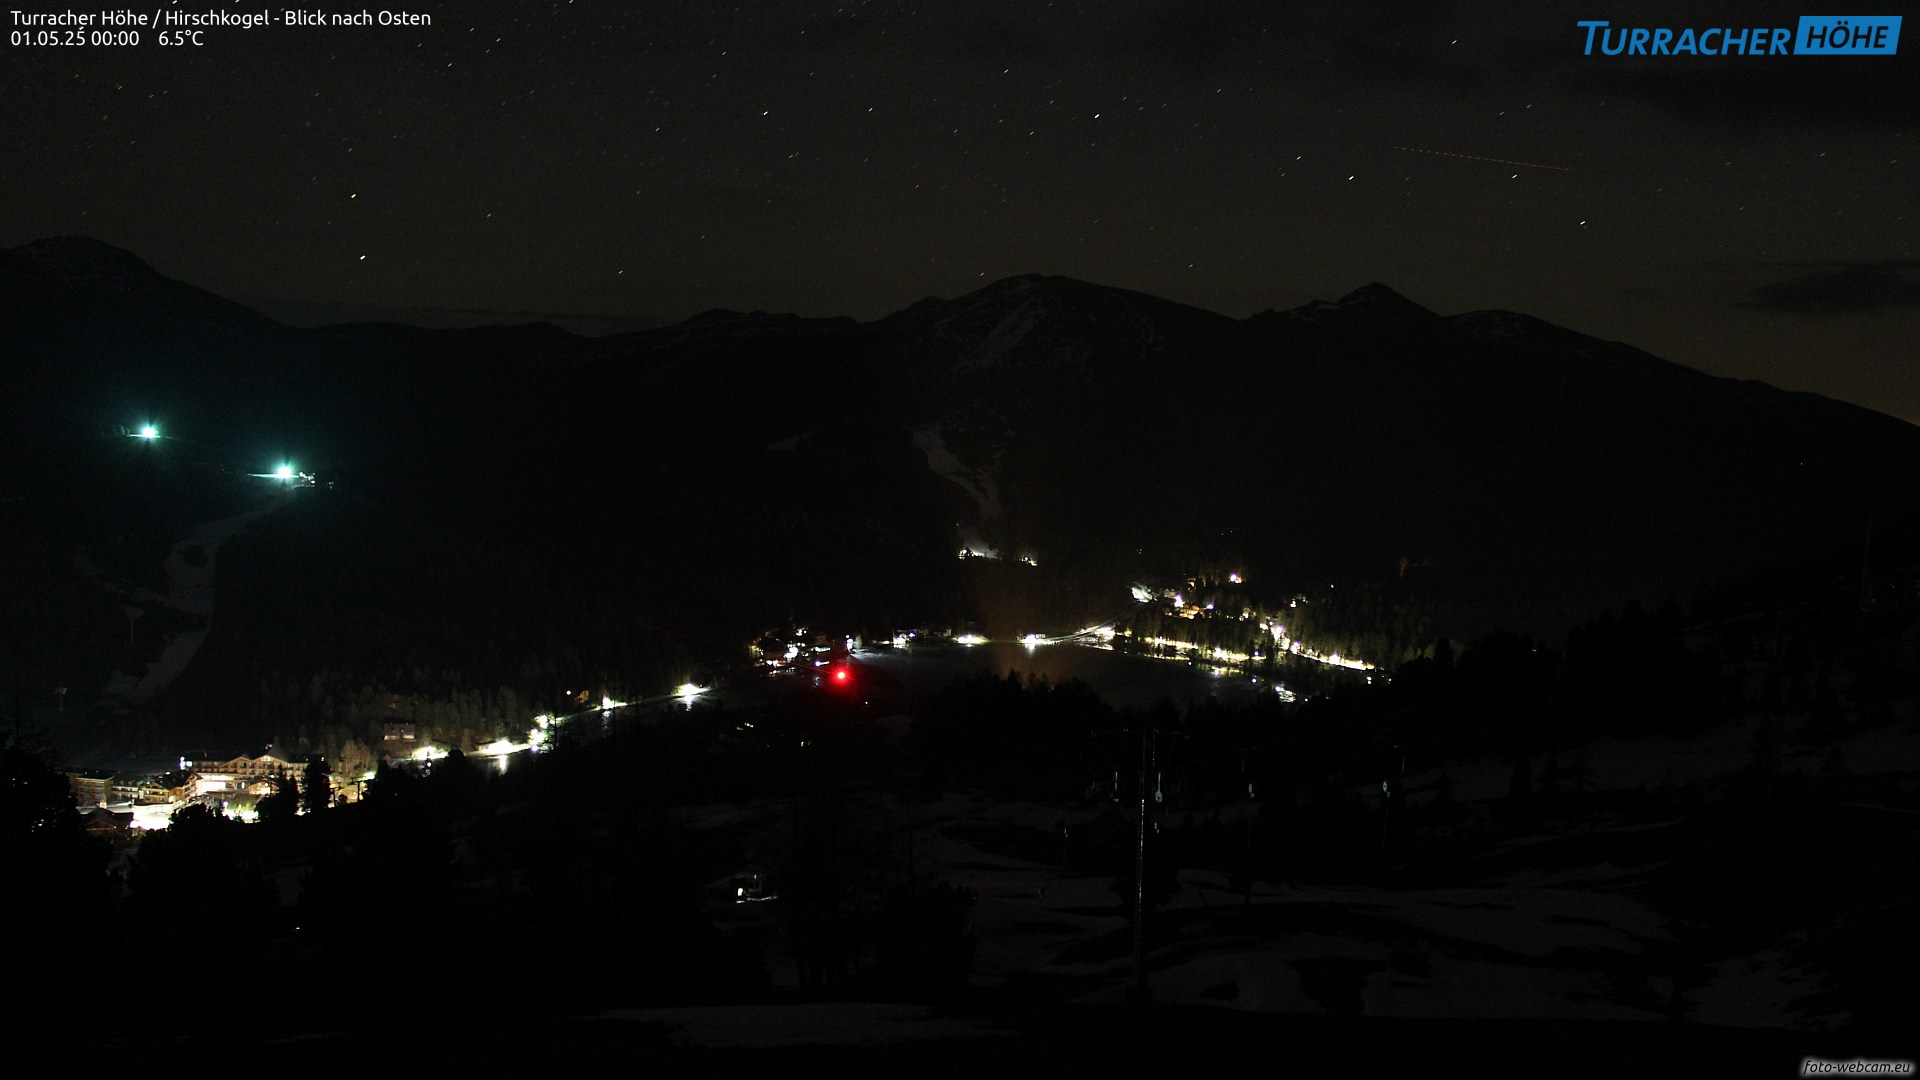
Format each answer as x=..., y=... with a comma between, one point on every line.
x=1554, y=925
x=836, y=1023
x=1655, y=761
x=1760, y=990
x=945, y=463
x=1548, y=939
x=1484, y=952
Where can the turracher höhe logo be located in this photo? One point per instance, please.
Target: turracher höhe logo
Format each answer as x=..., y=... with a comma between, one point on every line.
x=1818, y=35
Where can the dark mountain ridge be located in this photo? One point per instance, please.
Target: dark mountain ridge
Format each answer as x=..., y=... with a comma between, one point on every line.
x=1529, y=473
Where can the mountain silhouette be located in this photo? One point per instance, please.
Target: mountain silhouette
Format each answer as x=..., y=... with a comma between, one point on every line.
x=1529, y=473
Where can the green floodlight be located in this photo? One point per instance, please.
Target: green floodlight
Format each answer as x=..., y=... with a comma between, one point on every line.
x=149, y=432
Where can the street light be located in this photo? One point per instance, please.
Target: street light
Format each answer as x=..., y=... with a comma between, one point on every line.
x=148, y=431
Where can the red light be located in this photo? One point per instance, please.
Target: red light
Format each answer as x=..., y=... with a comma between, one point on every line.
x=841, y=675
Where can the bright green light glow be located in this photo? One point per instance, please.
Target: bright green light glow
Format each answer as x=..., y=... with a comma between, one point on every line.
x=284, y=472
x=149, y=432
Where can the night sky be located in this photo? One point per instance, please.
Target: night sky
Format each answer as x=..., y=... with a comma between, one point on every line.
x=607, y=165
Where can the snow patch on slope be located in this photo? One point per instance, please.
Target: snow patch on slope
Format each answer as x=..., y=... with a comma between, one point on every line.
x=945, y=463
x=1005, y=336
x=189, y=591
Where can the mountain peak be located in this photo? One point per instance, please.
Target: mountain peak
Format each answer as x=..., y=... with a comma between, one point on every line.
x=1377, y=297
x=1372, y=303
x=85, y=257
x=63, y=276
x=67, y=246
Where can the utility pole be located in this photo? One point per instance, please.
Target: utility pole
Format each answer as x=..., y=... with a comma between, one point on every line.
x=1388, y=789
x=1142, y=992
x=1246, y=840
x=1866, y=556
x=913, y=876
